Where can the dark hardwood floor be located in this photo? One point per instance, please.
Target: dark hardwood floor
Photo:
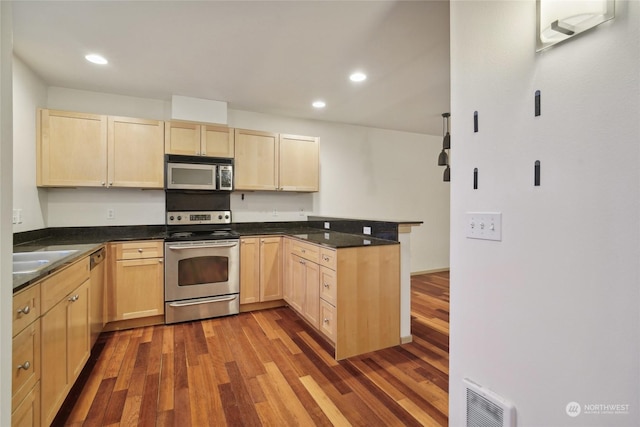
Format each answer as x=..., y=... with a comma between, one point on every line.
x=267, y=368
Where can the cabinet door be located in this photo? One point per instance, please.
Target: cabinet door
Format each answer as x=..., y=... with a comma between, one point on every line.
x=311, y=307
x=71, y=149
x=217, y=141
x=256, y=164
x=286, y=269
x=136, y=153
x=54, y=385
x=249, y=270
x=139, y=288
x=182, y=138
x=65, y=349
x=299, y=163
x=270, y=268
x=298, y=282
x=78, y=331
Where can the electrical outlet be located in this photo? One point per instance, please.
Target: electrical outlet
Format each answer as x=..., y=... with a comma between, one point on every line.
x=484, y=225
x=327, y=225
x=366, y=230
x=111, y=213
x=14, y=217
x=275, y=212
x=301, y=212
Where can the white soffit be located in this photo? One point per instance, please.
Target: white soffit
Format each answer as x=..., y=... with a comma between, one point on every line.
x=198, y=109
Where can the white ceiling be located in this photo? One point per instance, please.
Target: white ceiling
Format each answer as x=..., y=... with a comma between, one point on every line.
x=265, y=56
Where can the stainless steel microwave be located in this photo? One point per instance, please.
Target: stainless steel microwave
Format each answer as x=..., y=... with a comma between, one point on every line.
x=198, y=173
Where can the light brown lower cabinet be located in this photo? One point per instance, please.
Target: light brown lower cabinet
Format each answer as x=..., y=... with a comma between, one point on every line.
x=260, y=269
x=350, y=295
x=65, y=348
x=136, y=284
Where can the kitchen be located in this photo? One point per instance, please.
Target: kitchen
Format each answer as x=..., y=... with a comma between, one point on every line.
x=353, y=154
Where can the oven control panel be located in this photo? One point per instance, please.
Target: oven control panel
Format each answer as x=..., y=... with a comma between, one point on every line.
x=199, y=217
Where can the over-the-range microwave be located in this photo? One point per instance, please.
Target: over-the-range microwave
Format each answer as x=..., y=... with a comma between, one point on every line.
x=198, y=173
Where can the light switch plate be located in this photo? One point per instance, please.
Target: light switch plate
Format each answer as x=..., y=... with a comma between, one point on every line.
x=484, y=225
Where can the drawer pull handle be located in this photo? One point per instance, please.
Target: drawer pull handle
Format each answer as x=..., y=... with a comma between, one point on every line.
x=74, y=298
x=26, y=365
x=24, y=310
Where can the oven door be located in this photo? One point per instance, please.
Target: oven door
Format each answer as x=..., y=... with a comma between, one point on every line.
x=201, y=269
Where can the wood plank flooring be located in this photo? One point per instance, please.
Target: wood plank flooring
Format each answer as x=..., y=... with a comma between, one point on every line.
x=266, y=368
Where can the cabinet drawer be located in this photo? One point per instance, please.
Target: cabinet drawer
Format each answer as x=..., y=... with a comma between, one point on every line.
x=25, y=363
x=26, y=308
x=60, y=284
x=140, y=249
x=306, y=250
x=27, y=413
x=328, y=285
x=328, y=320
x=328, y=258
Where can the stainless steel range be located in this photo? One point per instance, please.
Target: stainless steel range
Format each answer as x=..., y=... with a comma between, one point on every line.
x=202, y=259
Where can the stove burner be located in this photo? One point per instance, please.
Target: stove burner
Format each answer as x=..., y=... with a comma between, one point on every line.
x=182, y=234
x=201, y=233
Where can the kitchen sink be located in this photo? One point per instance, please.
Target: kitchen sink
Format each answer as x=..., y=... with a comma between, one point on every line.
x=32, y=262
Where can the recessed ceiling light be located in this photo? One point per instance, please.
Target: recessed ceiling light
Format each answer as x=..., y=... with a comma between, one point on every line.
x=319, y=104
x=358, y=76
x=96, y=59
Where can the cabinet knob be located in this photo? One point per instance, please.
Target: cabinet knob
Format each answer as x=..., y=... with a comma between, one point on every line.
x=74, y=298
x=26, y=365
x=326, y=258
x=140, y=250
x=24, y=310
x=103, y=183
x=110, y=184
x=325, y=320
x=303, y=251
x=160, y=261
x=326, y=285
x=302, y=262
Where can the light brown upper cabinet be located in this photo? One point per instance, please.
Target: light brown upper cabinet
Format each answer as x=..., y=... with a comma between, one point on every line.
x=275, y=162
x=71, y=149
x=136, y=155
x=299, y=161
x=91, y=150
x=198, y=139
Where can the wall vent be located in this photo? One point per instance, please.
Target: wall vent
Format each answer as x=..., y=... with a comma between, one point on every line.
x=487, y=409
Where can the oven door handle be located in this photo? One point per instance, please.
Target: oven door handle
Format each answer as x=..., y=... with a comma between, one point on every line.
x=207, y=301
x=228, y=245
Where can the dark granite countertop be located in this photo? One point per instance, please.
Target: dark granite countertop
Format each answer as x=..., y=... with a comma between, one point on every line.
x=326, y=231
x=337, y=240
x=22, y=280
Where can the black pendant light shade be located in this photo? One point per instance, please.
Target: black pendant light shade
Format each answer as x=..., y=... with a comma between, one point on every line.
x=443, y=158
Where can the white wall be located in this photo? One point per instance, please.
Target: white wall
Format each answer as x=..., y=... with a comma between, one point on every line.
x=549, y=315
x=6, y=236
x=365, y=172
x=29, y=93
